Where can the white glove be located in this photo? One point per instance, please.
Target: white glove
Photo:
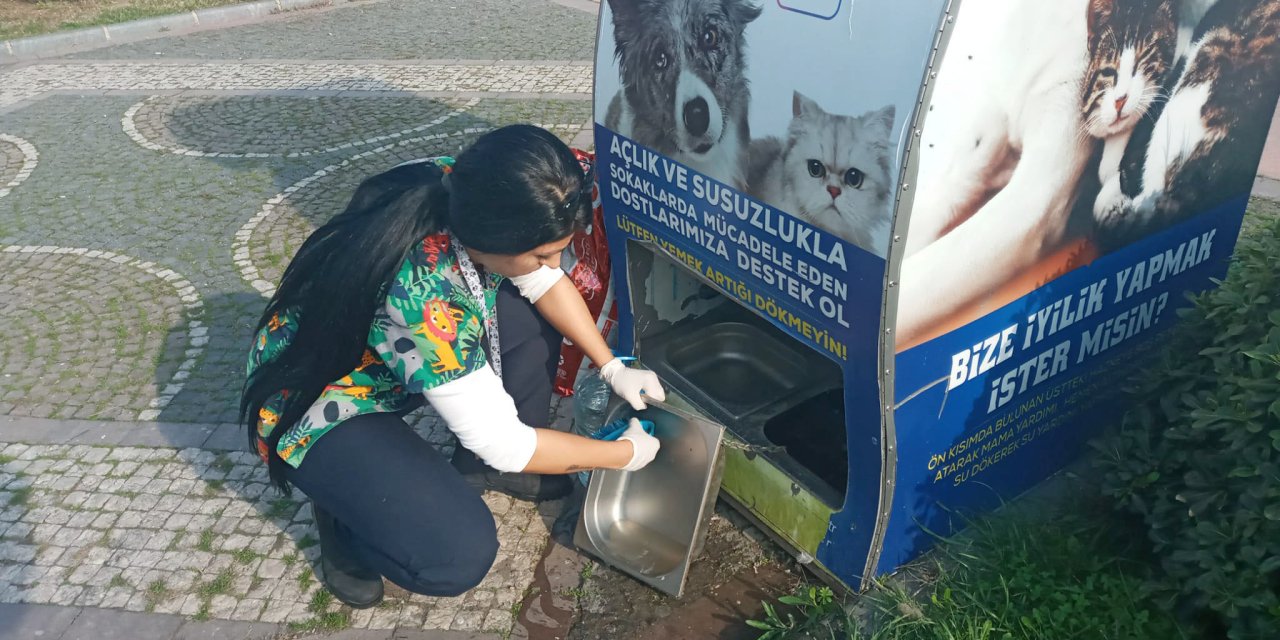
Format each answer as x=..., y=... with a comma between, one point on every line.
x=644, y=446
x=629, y=383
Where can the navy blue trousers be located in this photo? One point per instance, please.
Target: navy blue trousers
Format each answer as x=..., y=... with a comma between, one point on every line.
x=401, y=508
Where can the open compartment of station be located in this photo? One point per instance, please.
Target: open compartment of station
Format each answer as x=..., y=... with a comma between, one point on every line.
x=775, y=395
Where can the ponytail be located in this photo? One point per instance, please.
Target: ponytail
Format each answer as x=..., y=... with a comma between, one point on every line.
x=333, y=287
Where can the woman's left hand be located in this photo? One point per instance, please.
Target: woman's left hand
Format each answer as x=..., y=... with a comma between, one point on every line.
x=632, y=385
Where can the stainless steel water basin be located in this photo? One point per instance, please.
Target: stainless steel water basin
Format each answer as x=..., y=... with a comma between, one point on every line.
x=650, y=523
x=736, y=366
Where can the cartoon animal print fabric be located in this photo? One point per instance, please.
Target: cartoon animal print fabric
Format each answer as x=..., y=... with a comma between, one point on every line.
x=429, y=332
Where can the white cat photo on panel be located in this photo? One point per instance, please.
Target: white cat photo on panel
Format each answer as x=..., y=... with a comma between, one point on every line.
x=774, y=90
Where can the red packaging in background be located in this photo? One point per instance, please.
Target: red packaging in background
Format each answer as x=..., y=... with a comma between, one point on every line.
x=586, y=260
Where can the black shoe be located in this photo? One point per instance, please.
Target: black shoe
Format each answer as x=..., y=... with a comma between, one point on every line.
x=528, y=487
x=344, y=577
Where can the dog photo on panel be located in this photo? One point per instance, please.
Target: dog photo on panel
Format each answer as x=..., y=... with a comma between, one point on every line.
x=685, y=72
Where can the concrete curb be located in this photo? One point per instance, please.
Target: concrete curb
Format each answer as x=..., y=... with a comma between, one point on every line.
x=58, y=44
x=1264, y=187
x=588, y=6
x=71, y=623
x=101, y=433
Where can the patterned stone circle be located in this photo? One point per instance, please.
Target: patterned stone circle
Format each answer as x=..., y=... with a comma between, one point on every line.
x=262, y=126
x=18, y=159
x=266, y=243
x=95, y=335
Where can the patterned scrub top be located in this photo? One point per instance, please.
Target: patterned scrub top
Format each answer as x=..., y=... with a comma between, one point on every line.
x=428, y=332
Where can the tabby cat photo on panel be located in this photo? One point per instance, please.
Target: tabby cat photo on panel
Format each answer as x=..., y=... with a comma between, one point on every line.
x=759, y=113
x=1061, y=131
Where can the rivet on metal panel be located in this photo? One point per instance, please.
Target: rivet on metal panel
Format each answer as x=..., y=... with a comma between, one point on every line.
x=897, y=238
x=892, y=284
x=888, y=330
x=905, y=186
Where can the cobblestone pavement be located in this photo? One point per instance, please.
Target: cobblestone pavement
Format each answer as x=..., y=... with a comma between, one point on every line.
x=562, y=77
x=145, y=208
x=200, y=534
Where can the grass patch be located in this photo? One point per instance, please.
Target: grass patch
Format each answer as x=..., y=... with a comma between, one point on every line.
x=290, y=559
x=330, y=621
x=1009, y=577
x=245, y=556
x=308, y=541
x=212, y=487
x=320, y=601
x=577, y=593
x=22, y=19
x=281, y=508
x=4, y=459
x=222, y=463
x=206, y=541
x=157, y=592
x=20, y=496
x=220, y=585
x=304, y=579
x=118, y=581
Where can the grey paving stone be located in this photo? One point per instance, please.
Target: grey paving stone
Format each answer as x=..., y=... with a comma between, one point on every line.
x=108, y=624
x=227, y=630
x=226, y=437
x=353, y=634
x=412, y=634
x=28, y=621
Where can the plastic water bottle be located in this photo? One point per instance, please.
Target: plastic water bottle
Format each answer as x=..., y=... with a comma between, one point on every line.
x=590, y=399
x=591, y=395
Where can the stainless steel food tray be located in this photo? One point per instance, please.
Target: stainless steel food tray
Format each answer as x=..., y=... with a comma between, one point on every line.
x=652, y=522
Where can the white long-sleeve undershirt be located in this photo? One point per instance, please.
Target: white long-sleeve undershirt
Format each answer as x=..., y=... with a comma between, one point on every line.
x=478, y=410
x=482, y=414
x=533, y=285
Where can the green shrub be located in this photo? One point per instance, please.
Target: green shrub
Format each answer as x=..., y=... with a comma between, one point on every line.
x=1197, y=455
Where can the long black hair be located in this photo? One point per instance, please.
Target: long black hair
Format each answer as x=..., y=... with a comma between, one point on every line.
x=515, y=189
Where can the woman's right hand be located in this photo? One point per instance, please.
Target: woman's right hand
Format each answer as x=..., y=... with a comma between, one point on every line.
x=644, y=446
